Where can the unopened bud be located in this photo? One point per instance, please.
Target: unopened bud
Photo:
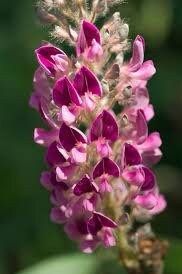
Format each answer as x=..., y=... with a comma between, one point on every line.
x=46, y=17
x=105, y=86
x=127, y=92
x=114, y=2
x=124, y=121
x=60, y=33
x=99, y=6
x=124, y=31
x=124, y=219
x=59, y=3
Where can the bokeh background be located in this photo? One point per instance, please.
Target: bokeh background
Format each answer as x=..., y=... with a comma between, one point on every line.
x=26, y=234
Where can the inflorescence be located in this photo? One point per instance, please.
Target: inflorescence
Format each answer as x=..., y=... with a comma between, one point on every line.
x=96, y=107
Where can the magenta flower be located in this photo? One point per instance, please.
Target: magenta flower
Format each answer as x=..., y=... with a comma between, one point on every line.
x=99, y=221
x=73, y=141
x=88, y=87
x=42, y=89
x=66, y=97
x=52, y=59
x=134, y=172
x=85, y=186
x=89, y=42
x=104, y=131
x=103, y=171
x=136, y=71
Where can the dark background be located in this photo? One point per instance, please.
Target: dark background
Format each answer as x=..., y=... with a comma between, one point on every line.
x=26, y=234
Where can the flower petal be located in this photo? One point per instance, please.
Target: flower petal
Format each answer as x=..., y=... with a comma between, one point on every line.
x=130, y=156
x=106, y=166
x=106, y=126
x=138, y=53
x=70, y=136
x=44, y=56
x=85, y=186
x=87, y=34
x=148, y=201
x=45, y=138
x=64, y=93
x=86, y=82
x=150, y=180
x=54, y=156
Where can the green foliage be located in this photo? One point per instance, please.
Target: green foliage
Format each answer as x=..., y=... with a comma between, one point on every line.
x=92, y=264
x=78, y=264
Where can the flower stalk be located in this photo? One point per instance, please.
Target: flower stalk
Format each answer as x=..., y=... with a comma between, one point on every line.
x=99, y=151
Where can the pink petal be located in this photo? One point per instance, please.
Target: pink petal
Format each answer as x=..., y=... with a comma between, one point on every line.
x=45, y=138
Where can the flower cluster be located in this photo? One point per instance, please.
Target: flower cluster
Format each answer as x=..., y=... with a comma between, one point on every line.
x=98, y=150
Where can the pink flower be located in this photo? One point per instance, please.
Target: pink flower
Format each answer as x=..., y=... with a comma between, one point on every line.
x=74, y=142
x=137, y=71
x=104, y=170
x=52, y=60
x=42, y=89
x=66, y=97
x=99, y=151
x=88, y=87
x=89, y=42
x=104, y=131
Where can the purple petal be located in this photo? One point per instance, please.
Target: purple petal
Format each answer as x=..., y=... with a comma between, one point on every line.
x=130, y=156
x=67, y=116
x=57, y=216
x=161, y=205
x=54, y=156
x=94, y=225
x=88, y=246
x=64, y=93
x=79, y=154
x=105, y=186
x=85, y=81
x=106, y=166
x=62, y=185
x=138, y=53
x=134, y=175
x=149, y=112
x=152, y=142
x=70, y=136
x=108, y=238
x=46, y=181
x=45, y=138
x=44, y=56
x=97, y=221
x=88, y=33
x=141, y=97
x=85, y=186
x=94, y=52
x=105, y=221
x=148, y=201
x=152, y=157
x=106, y=126
x=146, y=71
x=45, y=108
x=150, y=180
x=141, y=127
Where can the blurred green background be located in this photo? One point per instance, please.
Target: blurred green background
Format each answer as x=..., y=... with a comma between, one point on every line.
x=26, y=234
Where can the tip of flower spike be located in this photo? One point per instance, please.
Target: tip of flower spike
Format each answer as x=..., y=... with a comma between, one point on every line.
x=87, y=34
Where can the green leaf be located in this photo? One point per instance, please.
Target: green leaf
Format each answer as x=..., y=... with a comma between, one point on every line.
x=95, y=264
x=78, y=264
